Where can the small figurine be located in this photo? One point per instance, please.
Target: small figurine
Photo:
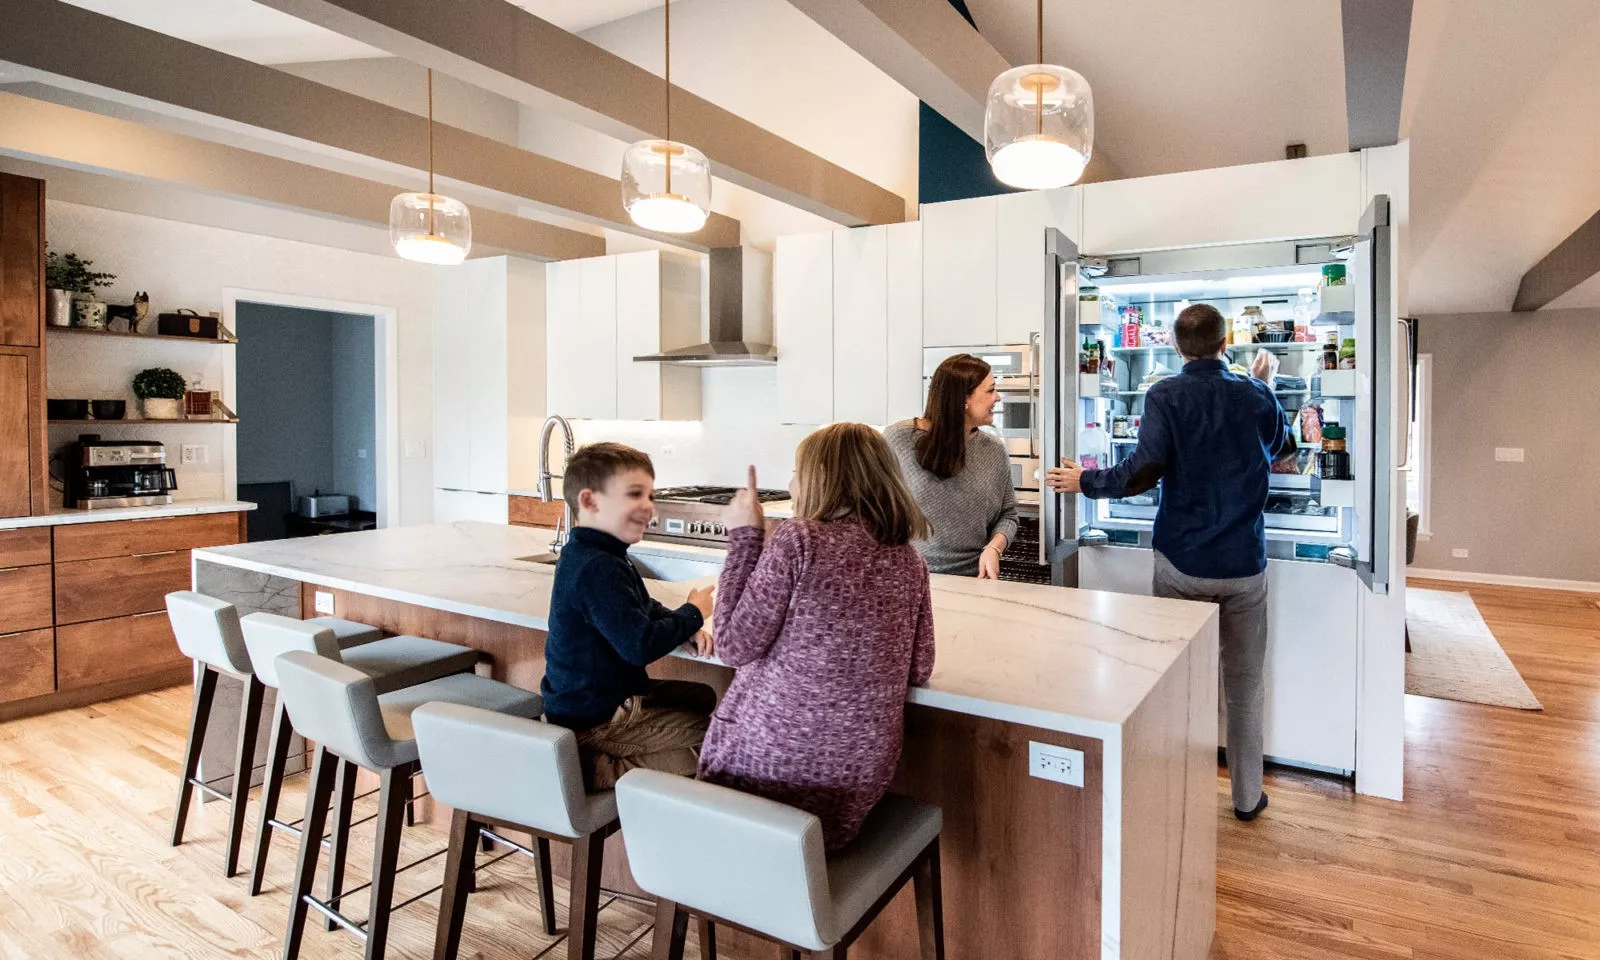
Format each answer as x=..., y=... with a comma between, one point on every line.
x=133, y=314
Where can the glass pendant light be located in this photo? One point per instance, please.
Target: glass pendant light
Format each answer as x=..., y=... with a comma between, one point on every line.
x=426, y=227
x=1038, y=127
x=666, y=186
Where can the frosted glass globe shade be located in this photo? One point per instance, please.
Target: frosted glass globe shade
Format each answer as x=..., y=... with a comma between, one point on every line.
x=1038, y=126
x=429, y=228
x=666, y=186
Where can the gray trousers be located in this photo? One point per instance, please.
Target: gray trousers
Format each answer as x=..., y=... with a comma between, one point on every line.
x=1243, y=647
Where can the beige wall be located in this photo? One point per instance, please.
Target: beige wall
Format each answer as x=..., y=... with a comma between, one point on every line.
x=1515, y=380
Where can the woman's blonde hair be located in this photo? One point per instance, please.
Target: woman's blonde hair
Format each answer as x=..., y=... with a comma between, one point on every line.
x=847, y=470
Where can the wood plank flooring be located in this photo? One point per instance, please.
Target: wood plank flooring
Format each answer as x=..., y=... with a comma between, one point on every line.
x=1494, y=854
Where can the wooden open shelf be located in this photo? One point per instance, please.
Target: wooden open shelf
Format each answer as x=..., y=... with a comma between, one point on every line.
x=228, y=339
x=142, y=420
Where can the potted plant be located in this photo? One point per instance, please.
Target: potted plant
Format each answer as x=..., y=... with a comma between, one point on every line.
x=69, y=279
x=160, y=392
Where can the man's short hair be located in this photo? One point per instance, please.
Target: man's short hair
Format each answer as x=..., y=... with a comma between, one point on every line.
x=593, y=465
x=1201, y=331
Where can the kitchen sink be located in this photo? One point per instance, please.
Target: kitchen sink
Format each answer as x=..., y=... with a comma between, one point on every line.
x=548, y=559
x=651, y=566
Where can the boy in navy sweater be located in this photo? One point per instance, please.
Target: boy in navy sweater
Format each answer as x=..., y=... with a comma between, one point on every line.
x=605, y=629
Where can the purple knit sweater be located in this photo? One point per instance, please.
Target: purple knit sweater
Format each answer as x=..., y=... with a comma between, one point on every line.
x=828, y=628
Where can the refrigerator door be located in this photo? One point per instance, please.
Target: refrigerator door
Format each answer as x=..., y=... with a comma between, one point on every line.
x=1377, y=420
x=1059, y=397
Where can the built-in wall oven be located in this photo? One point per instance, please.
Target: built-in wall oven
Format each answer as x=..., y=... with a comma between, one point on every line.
x=1016, y=418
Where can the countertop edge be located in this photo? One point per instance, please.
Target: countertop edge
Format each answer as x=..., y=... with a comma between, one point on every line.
x=181, y=508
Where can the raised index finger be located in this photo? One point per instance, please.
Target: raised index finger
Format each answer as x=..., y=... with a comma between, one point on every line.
x=752, y=479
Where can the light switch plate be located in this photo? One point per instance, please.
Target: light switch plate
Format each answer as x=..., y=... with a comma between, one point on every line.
x=1459, y=553
x=324, y=603
x=1508, y=454
x=1050, y=762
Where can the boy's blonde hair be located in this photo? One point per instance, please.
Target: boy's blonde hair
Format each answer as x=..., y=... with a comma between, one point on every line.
x=847, y=470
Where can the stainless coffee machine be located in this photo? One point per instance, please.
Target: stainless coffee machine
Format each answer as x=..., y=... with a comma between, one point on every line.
x=117, y=473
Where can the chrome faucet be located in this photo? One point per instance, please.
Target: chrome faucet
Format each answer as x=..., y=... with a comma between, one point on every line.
x=546, y=478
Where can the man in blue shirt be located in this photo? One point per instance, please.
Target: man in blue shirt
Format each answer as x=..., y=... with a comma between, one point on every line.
x=1209, y=437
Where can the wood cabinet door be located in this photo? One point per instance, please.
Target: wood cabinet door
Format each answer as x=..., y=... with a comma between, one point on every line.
x=26, y=547
x=124, y=538
x=24, y=599
x=15, y=430
x=30, y=659
x=118, y=586
x=21, y=260
x=105, y=651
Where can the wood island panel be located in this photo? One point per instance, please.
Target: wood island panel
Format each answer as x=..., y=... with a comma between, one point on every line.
x=27, y=547
x=533, y=512
x=30, y=665
x=122, y=648
x=24, y=598
x=118, y=586
x=122, y=538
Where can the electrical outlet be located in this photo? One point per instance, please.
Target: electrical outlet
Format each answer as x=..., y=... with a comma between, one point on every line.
x=1508, y=454
x=362, y=453
x=195, y=453
x=324, y=603
x=1460, y=553
x=1050, y=762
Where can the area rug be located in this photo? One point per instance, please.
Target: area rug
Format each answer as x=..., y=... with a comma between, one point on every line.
x=1455, y=657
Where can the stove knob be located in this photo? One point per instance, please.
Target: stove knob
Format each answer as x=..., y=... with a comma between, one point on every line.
x=696, y=527
x=721, y=531
x=655, y=522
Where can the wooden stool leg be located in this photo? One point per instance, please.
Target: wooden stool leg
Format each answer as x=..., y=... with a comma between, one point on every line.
x=672, y=928
x=930, y=904
x=386, y=856
x=205, y=690
x=344, y=799
x=547, y=887
x=271, y=789
x=305, y=872
x=458, y=869
x=583, y=895
x=243, y=769
x=707, y=932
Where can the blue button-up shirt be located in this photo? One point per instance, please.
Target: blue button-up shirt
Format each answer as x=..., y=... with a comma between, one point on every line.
x=1210, y=437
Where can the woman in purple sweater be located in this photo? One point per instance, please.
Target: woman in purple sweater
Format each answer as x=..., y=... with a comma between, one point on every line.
x=828, y=622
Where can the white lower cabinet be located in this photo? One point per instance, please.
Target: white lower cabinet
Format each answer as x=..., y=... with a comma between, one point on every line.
x=1312, y=636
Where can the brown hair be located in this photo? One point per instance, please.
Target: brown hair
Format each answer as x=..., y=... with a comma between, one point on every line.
x=942, y=448
x=846, y=470
x=1201, y=331
x=596, y=463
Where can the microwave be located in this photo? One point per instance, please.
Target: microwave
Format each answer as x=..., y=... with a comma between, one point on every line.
x=1015, y=367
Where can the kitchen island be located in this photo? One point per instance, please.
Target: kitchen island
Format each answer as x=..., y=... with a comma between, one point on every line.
x=1106, y=849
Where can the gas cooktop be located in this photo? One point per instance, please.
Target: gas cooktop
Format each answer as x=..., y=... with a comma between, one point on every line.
x=715, y=495
x=694, y=514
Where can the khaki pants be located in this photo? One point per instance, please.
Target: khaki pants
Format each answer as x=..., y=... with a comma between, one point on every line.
x=660, y=730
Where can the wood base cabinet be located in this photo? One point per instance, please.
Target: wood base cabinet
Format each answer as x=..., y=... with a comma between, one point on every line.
x=30, y=664
x=118, y=586
x=104, y=651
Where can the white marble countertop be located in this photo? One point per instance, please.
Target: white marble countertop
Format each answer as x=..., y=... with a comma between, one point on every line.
x=180, y=508
x=1077, y=661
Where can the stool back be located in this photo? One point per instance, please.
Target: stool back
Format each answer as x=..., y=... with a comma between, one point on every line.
x=749, y=860
x=208, y=631
x=268, y=636
x=507, y=768
x=337, y=706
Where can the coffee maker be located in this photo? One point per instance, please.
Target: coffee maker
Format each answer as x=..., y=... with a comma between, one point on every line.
x=117, y=473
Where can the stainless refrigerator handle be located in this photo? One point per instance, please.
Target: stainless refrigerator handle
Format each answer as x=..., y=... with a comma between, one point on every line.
x=1050, y=400
x=1037, y=401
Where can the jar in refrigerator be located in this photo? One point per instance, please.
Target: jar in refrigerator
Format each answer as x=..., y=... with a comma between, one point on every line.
x=1347, y=354
x=1244, y=325
x=1330, y=357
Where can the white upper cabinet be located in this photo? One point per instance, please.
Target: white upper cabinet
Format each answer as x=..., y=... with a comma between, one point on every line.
x=958, y=272
x=802, y=314
x=904, y=322
x=1020, y=269
x=1284, y=199
x=603, y=312
x=860, y=324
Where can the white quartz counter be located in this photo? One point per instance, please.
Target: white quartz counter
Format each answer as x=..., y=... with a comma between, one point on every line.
x=181, y=508
x=1077, y=661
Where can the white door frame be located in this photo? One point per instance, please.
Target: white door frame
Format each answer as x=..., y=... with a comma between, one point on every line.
x=386, y=402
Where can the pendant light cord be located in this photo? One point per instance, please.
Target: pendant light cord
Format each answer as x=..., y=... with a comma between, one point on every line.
x=666, y=7
x=432, y=205
x=1038, y=93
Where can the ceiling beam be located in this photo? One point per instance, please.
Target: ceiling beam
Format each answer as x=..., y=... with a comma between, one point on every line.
x=502, y=48
x=66, y=41
x=1573, y=261
x=1377, y=34
x=51, y=133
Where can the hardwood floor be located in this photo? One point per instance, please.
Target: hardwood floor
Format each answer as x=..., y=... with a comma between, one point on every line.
x=1494, y=854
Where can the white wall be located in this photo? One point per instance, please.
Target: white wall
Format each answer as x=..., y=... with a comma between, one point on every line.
x=187, y=265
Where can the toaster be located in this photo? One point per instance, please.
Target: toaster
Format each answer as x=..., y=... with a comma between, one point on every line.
x=324, y=505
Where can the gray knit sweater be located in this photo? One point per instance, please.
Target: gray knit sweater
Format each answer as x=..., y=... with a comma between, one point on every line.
x=965, y=510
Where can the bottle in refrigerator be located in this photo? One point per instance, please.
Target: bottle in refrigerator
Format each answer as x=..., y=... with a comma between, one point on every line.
x=1094, y=447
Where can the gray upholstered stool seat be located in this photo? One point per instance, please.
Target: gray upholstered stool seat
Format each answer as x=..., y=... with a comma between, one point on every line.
x=498, y=770
x=339, y=707
x=393, y=663
x=736, y=858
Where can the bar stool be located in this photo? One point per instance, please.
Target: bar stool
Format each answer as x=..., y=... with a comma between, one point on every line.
x=392, y=663
x=758, y=865
x=207, y=630
x=339, y=708
x=497, y=771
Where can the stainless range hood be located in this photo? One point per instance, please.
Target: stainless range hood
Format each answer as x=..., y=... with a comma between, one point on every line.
x=727, y=346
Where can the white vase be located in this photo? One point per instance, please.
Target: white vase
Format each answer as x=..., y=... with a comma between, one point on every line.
x=58, y=308
x=162, y=408
x=89, y=314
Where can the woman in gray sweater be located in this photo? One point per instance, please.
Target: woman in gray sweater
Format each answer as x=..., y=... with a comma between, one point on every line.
x=959, y=475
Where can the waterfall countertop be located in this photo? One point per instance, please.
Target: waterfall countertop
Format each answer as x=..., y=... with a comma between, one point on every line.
x=1074, y=661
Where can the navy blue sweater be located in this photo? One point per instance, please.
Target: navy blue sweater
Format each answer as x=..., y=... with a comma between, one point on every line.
x=1210, y=437
x=604, y=630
